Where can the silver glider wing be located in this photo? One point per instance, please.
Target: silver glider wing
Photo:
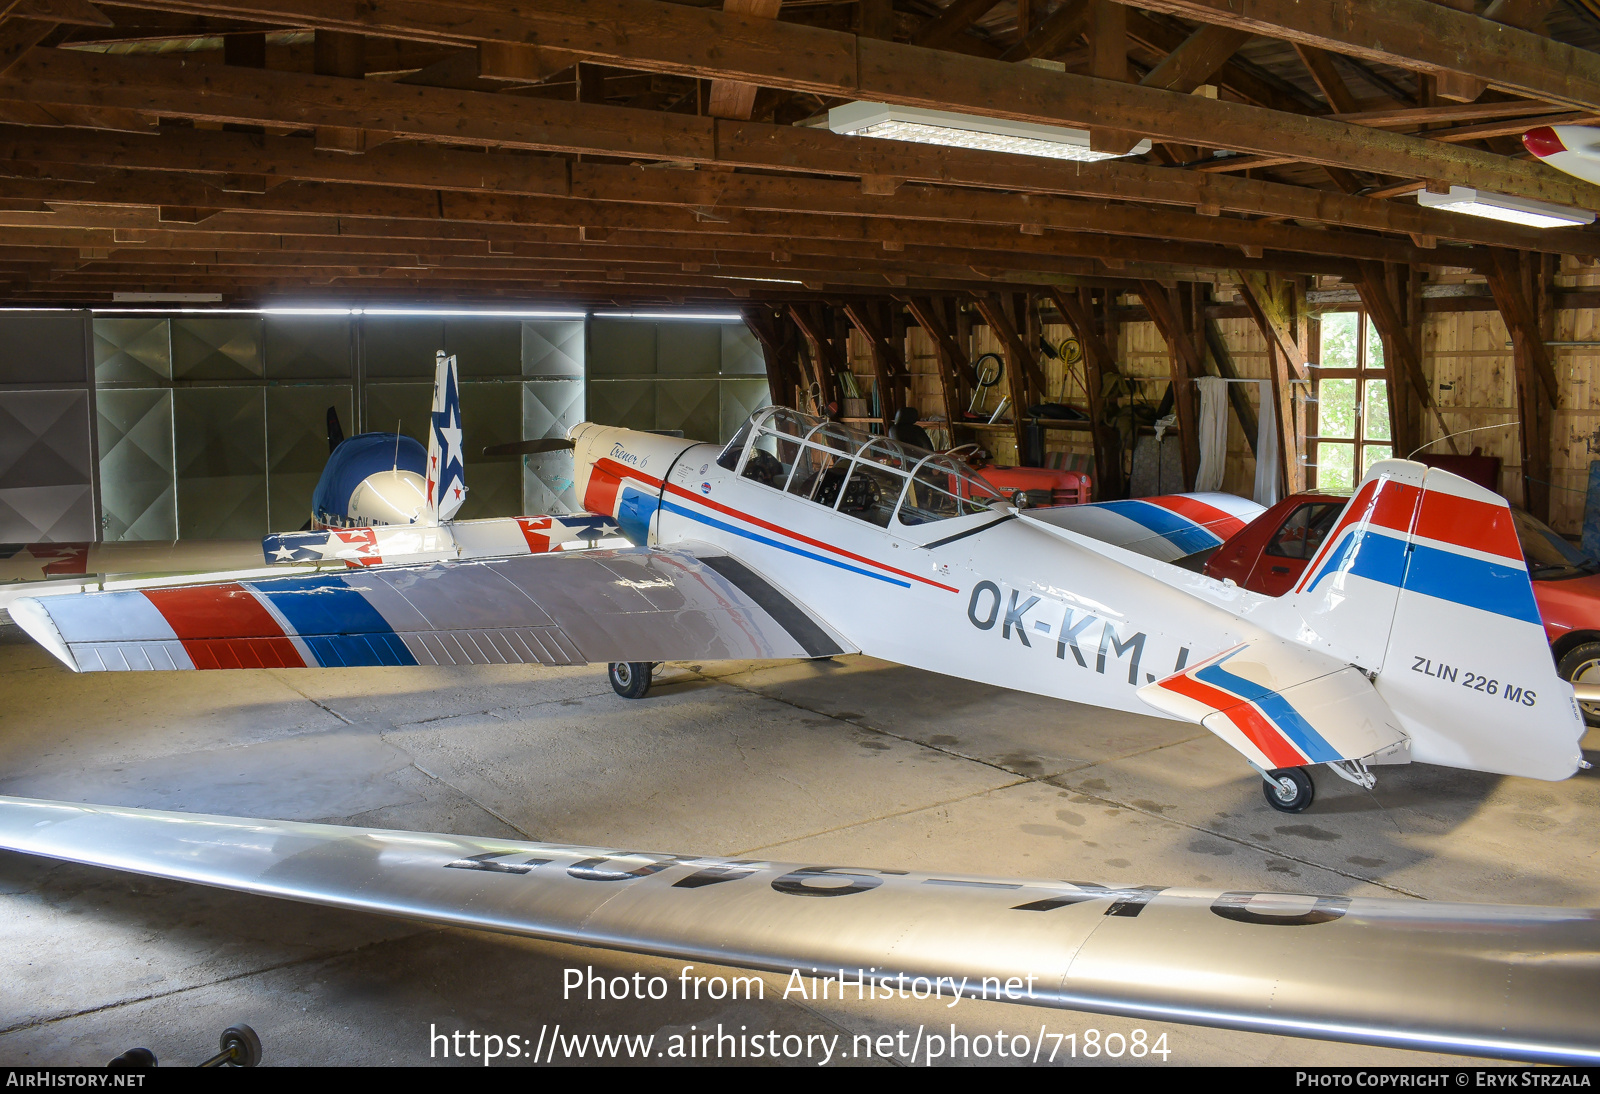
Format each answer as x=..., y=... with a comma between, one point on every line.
x=1486, y=980
x=637, y=604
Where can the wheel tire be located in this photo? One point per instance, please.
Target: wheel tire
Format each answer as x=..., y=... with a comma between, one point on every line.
x=242, y=1041
x=630, y=679
x=1582, y=663
x=1278, y=794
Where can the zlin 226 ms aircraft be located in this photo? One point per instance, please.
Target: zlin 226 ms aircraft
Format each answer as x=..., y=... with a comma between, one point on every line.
x=1412, y=637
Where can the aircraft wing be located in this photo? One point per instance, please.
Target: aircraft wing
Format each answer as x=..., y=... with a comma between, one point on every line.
x=1283, y=705
x=24, y=562
x=1486, y=980
x=1169, y=527
x=406, y=543
x=561, y=608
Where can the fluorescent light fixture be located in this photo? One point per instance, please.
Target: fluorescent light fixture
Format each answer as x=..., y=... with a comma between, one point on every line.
x=704, y=317
x=166, y=298
x=909, y=123
x=1526, y=211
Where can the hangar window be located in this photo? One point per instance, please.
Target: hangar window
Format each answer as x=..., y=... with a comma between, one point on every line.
x=1350, y=427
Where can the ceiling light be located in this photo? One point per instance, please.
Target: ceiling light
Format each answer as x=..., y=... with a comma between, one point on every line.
x=704, y=317
x=909, y=123
x=1526, y=211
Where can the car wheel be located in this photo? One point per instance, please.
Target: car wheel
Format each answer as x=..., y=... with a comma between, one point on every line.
x=1290, y=791
x=630, y=679
x=1581, y=664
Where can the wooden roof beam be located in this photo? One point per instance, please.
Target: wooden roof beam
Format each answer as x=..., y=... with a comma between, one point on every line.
x=1197, y=59
x=1419, y=35
x=712, y=44
x=288, y=99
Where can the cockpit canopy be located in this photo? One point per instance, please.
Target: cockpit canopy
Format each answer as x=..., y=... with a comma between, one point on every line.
x=855, y=473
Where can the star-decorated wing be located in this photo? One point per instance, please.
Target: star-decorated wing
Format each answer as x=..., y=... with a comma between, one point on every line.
x=405, y=544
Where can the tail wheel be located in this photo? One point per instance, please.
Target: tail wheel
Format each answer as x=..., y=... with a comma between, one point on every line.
x=630, y=679
x=1289, y=789
x=1581, y=665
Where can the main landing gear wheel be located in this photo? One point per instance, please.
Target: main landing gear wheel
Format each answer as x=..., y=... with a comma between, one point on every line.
x=630, y=679
x=1581, y=665
x=1290, y=790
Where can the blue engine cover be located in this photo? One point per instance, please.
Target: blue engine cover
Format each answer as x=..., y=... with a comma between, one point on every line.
x=353, y=462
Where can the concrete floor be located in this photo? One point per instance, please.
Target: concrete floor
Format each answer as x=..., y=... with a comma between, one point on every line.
x=852, y=761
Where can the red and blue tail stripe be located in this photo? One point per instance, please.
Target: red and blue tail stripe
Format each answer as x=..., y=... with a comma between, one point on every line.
x=1432, y=542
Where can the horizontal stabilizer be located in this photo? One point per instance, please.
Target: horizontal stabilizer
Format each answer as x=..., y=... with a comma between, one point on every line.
x=1280, y=705
x=1167, y=528
x=412, y=543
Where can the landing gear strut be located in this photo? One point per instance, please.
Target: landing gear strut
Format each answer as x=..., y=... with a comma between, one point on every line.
x=1289, y=789
x=630, y=679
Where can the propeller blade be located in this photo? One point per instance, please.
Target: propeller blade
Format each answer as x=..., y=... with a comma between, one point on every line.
x=529, y=448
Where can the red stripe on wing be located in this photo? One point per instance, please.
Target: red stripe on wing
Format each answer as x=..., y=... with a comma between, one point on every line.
x=225, y=627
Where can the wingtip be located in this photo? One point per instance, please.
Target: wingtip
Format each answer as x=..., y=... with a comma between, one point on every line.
x=1543, y=142
x=28, y=613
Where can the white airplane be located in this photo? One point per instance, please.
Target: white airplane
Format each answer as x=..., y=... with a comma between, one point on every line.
x=1485, y=980
x=1574, y=149
x=1413, y=636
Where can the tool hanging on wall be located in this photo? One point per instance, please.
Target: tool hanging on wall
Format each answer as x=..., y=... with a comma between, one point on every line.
x=987, y=378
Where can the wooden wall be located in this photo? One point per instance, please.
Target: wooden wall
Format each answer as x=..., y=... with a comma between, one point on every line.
x=1465, y=357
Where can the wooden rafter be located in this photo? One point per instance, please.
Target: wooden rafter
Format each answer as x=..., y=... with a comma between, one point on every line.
x=62, y=78
x=1419, y=35
x=710, y=44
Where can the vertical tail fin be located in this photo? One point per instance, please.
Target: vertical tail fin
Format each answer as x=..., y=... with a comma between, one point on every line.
x=447, y=485
x=1422, y=584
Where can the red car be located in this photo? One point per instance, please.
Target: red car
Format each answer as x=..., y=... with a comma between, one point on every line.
x=1269, y=554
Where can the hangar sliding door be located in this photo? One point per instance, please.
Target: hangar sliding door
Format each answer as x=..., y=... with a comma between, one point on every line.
x=47, y=480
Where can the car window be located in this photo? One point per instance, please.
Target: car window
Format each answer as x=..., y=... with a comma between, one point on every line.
x=1303, y=532
x=1547, y=554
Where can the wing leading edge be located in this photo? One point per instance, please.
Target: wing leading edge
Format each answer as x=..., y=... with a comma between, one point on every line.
x=1503, y=981
x=636, y=604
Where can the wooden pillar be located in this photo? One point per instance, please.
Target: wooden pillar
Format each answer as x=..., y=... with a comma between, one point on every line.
x=1108, y=60
x=950, y=354
x=1517, y=280
x=1098, y=362
x=777, y=337
x=1280, y=317
x=888, y=364
x=1022, y=367
x=813, y=322
x=1384, y=295
x=1167, y=312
